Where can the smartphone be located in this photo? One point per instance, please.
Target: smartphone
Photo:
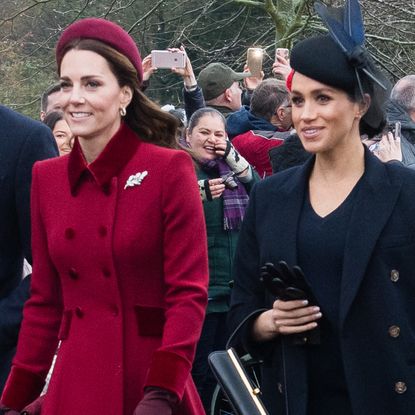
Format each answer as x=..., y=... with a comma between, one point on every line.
x=397, y=130
x=283, y=52
x=168, y=59
x=394, y=128
x=254, y=61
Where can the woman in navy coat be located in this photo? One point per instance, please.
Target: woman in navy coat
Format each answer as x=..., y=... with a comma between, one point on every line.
x=347, y=220
x=119, y=245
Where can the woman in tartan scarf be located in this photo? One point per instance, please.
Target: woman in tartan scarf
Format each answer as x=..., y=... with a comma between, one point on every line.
x=225, y=180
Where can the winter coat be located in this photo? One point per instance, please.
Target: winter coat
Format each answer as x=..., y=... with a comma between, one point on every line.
x=241, y=121
x=23, y=141
x=221, y=248
x=255, y=146
x=377, y=308
x=120, y=278
x=396, y=113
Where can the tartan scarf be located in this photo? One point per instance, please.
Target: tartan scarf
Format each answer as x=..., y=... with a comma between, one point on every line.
x=235, y=201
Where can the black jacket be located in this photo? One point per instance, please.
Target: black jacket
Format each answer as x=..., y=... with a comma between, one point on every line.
x=377, y=307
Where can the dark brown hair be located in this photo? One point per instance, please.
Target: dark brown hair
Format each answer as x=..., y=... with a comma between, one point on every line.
x=143, y=115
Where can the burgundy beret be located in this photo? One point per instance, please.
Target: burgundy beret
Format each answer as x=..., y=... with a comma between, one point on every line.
x=106, y=32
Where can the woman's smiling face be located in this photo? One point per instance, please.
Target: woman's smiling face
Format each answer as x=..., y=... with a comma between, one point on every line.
x=324, y=117
x=209, y=131
x=91, y=96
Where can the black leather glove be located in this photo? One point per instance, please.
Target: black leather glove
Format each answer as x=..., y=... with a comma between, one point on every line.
x=156, y=401
x=287, y=284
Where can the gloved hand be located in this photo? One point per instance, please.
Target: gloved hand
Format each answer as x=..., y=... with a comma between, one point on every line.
x=234, y=160
x=287, y=284
x=35, y=407
x=204, y=190
x=156, y=401
x=7, y=411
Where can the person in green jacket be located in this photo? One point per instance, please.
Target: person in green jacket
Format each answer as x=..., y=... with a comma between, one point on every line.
x=225, y=180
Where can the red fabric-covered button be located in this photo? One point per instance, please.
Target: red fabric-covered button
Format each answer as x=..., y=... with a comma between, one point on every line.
x=106, y=272
x=106, y=189
x=102, y=230
x=79, y=312
x=73, y=273
x=115, y=310
x=69, y=233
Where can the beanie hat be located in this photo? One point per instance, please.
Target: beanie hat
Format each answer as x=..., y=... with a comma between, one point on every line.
x=106, y=32
x=216, y=78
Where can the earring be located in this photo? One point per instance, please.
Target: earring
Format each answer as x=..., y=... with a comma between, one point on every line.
x=123, y=112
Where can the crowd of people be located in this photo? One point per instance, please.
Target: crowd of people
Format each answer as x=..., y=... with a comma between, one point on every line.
x=151, y=232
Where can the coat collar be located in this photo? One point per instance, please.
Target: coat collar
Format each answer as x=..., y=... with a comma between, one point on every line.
x=108, y=164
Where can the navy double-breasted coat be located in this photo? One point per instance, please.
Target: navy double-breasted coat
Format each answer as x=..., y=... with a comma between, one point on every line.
x=377, y=302
x=23, y=141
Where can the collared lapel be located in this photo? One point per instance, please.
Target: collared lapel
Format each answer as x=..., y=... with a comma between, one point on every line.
x=288, y=201
x=374, y=205
x=116, y=154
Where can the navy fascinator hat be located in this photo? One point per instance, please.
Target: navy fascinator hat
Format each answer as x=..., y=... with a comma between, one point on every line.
x=340, y=60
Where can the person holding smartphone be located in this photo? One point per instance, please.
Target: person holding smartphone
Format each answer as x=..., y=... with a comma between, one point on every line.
x=346, y=219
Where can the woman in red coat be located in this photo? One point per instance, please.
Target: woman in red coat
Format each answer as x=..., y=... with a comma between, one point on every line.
x=120, y=263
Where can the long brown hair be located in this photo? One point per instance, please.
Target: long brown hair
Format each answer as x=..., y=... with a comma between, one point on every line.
x=143, y=115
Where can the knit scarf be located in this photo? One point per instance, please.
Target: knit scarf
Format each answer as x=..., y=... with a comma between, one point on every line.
x=235, y=201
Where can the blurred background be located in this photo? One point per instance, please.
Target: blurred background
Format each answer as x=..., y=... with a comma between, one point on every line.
x=210, y=30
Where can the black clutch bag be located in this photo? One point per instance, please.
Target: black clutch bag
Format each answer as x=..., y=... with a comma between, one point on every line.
x=242, y=394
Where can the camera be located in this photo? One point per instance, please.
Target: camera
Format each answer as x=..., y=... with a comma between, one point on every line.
x=229, y=181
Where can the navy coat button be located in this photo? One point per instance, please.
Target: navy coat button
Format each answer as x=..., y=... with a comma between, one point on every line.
x=79, y=312
x=106, y=272
x=73, y=274
x=102, y=230
x=394, y=275
x=279, y=387
x=400, y=387
x=394, y=331
x=69, y=233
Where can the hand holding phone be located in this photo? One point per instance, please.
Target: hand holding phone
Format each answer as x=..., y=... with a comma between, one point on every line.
x=283, y=53
x=281, y=67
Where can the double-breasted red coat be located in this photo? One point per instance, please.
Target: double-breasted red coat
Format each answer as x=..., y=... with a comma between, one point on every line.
x=120, y=277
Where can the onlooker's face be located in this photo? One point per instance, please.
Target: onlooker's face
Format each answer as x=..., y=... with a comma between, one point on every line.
x=91, y=96
x=54, y=103
x=285, y=116
x=208, y=132
x=236, y=100
x=63, y=137
x=324, y=117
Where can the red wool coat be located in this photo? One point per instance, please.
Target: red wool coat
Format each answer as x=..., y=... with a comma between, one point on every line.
x=120, y=277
